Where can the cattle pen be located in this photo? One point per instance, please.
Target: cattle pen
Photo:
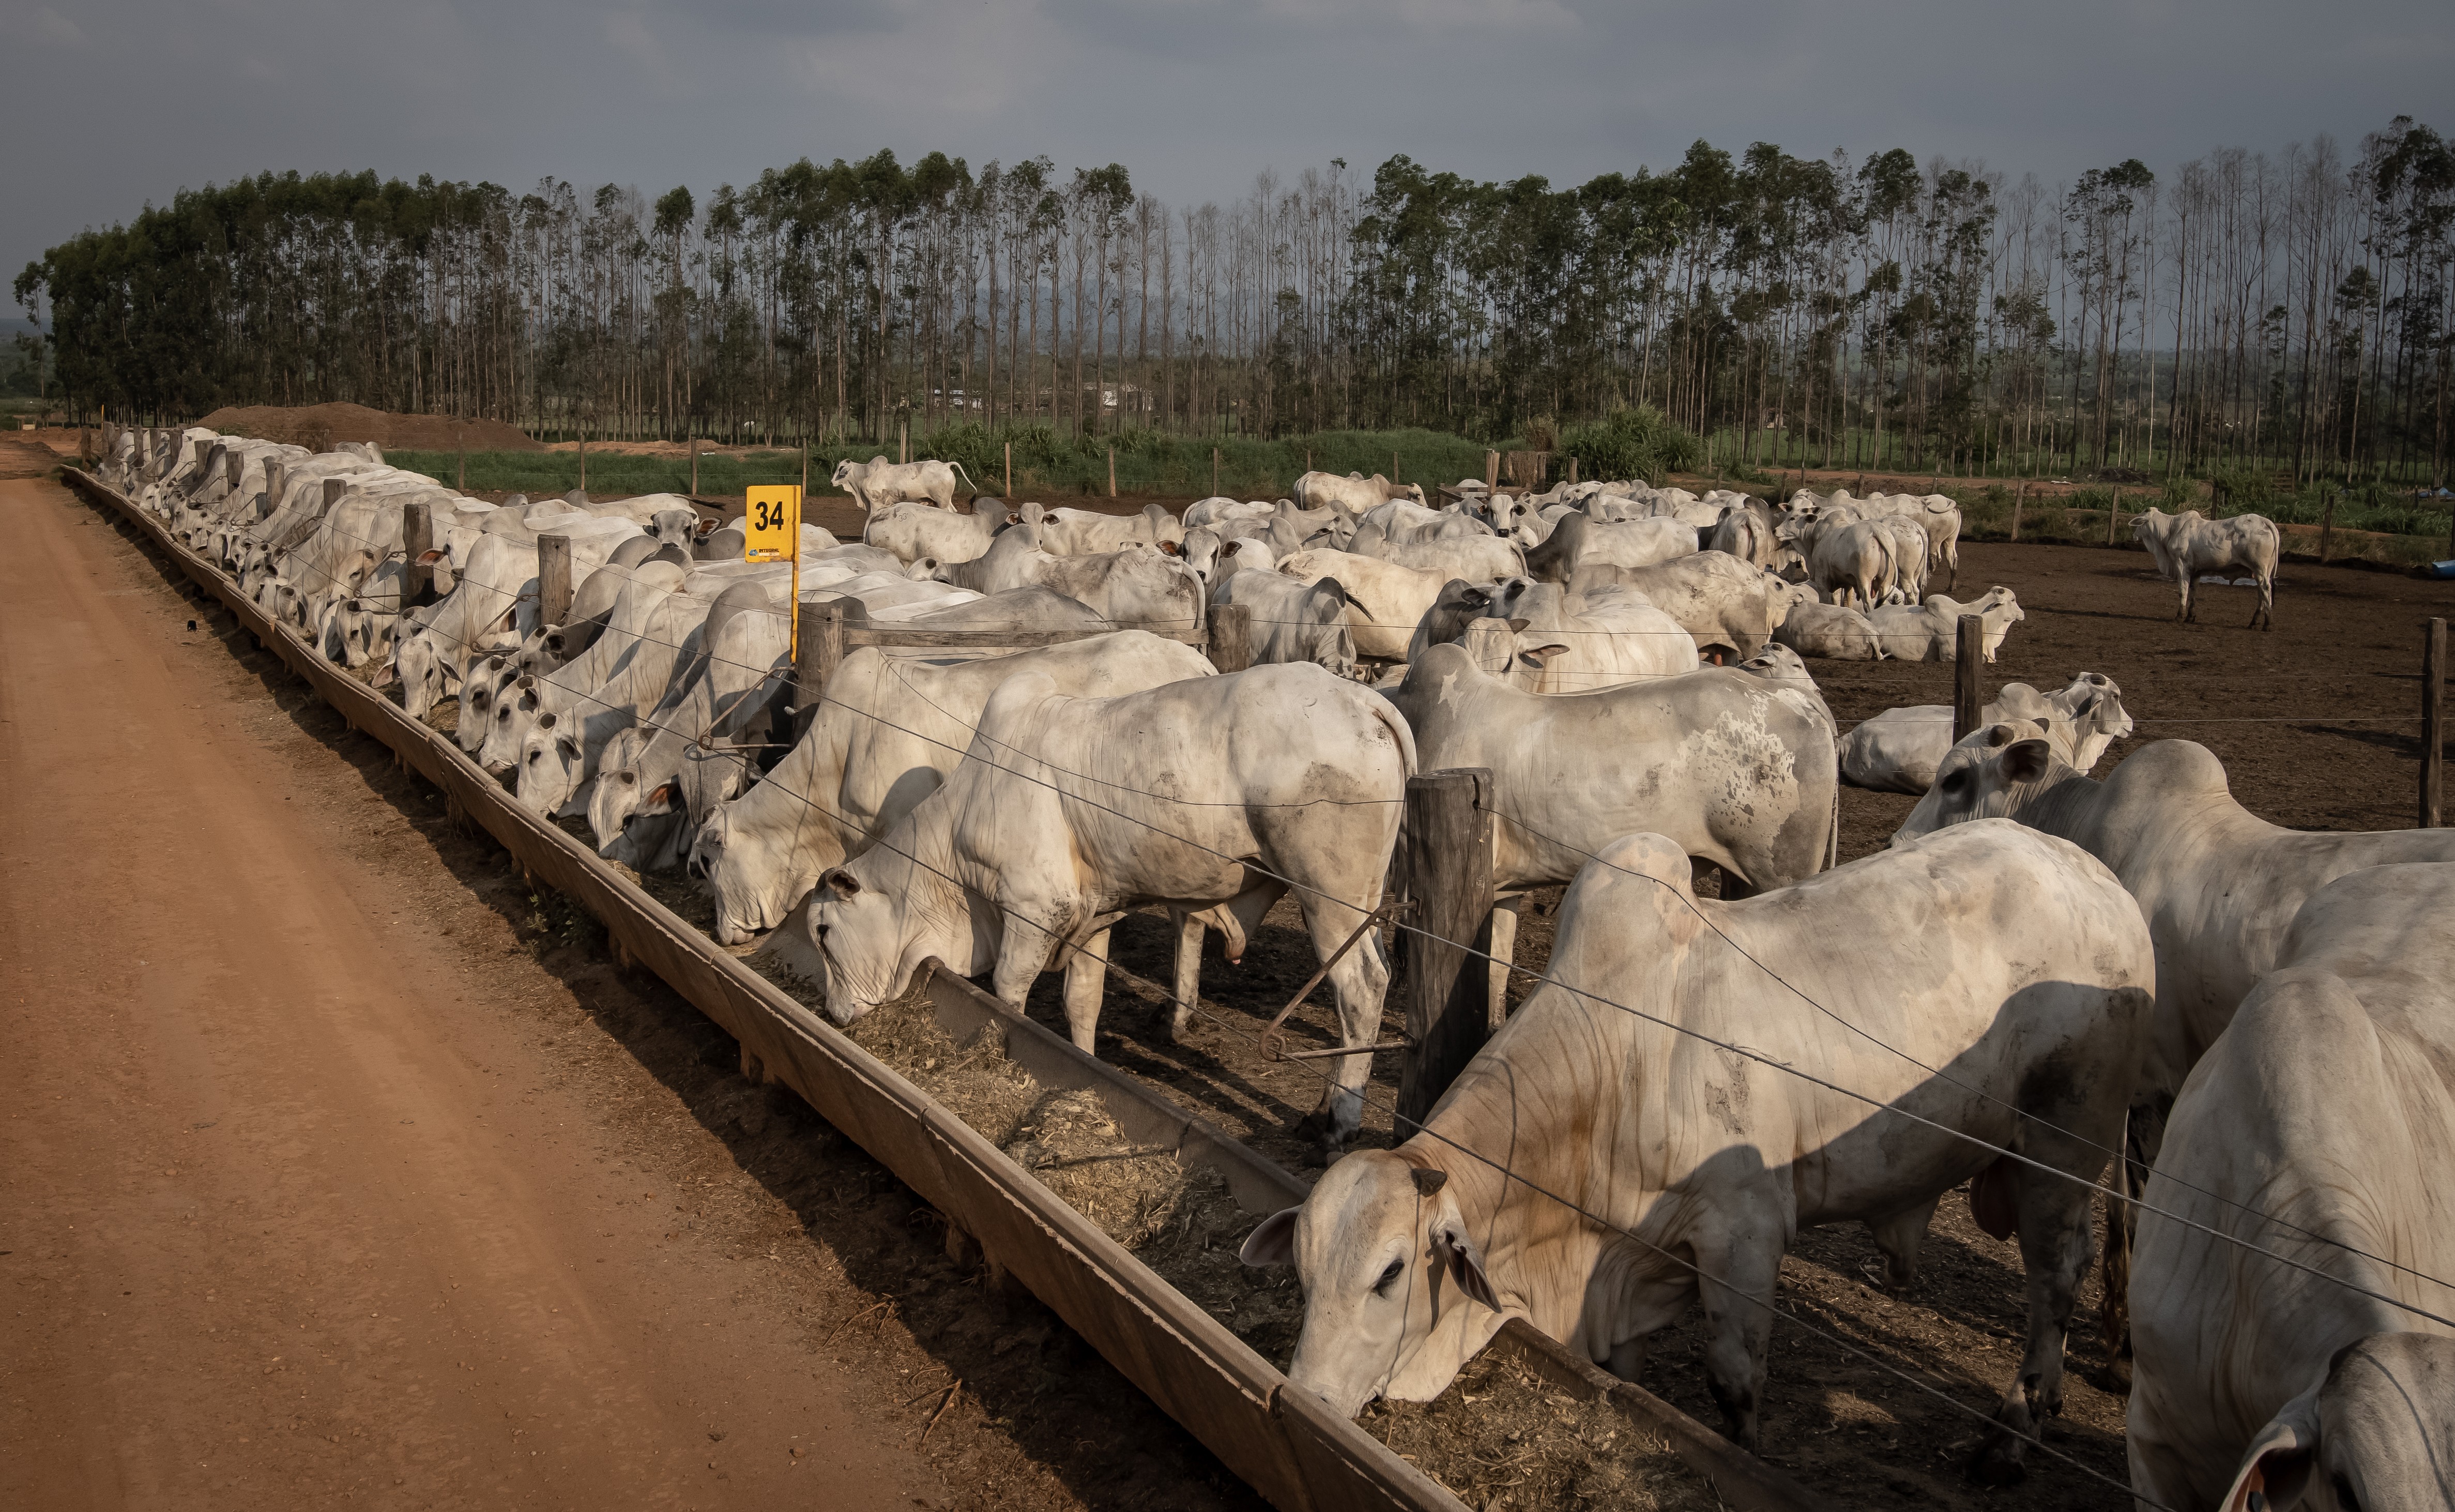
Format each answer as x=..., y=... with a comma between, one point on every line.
x=1285, y=1443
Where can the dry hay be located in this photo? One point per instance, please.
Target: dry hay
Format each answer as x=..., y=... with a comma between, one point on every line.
x=1502, y=1437
x=1498, y=1436
x=325, y=425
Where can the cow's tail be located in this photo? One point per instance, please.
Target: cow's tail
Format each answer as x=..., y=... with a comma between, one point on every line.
x=965, y=476
x=1395, y=723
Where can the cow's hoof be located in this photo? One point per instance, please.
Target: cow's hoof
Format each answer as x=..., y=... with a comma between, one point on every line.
x=1998, y=1462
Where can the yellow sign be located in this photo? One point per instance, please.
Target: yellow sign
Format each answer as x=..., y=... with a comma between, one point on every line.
x=771, y=529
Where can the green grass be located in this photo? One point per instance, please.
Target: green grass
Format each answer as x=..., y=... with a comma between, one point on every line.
x=1047, y=466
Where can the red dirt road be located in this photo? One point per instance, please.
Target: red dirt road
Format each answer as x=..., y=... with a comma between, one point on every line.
x=292, y=1210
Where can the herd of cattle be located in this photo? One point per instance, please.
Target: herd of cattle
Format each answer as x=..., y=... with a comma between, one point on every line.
x=2043, y=969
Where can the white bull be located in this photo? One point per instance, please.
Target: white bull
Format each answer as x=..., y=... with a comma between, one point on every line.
x=878, y=481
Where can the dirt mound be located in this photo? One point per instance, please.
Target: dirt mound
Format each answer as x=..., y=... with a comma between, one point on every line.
x=25, y=458
x=321, y=425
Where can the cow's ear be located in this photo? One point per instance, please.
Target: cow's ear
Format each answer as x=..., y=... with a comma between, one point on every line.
x=569, y=747
x=2026, y=761
x=1541, y=655
x=1456, y=1250
x=1519, y=624
x=1273, y=1241
x=840, y=882
x=545, y=721
x=659, y=799
x=1169, y=549
x=2276, y=1468
x=429, y=558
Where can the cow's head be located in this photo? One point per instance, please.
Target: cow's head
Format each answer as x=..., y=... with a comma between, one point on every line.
x=550, y=765
x=848, y=472
x=859, y=932
x=1396, y=1290
x=1993, y=774
x=424, y=673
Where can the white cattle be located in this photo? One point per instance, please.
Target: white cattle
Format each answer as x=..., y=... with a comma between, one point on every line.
x=1716, y=597
x=1289, y=620
x=2189, y=544
x=891, y=731
x=1135, y=588
x=1578, y=542
x=915, y=531
x=1402, y=522
x=483, y=612
x=1931, y=632
x=1737, y=764
x=1219, y=509
x=1215, y=796
x=1643, y=1157
x=1354, y=493
x=1829, y=630
x=1385, y=602
x=1898, y=750
x=2317, y=1130
x=1580, y=641
x=878, y=481
x=1853, y=560
x=1088, y=533
x=1746, y=533
x=1478, y=557
x=2218, y=885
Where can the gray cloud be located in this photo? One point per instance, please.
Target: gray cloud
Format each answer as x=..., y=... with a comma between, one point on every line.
x=125, y=101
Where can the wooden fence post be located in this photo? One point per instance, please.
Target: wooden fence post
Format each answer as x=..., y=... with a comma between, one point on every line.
x=1445, y=870
x=461, y=474
x=903, y=439
x=1214, y=472
x=2433, y=724
x=693, y=467
x=1969, y=654
x=2326, y=525
x=1491, y=471
x=554, y=579
x=2017, y=496
x=1572, y=471
x=805, y=471
x=1231, y=637
x=233, y=463
x=333, y=488
x=584, y=462
x=1112, y=472
x=2113, y=517
x=1009, y=470
x=417, y=539
x=273, y=481
x=817, y=651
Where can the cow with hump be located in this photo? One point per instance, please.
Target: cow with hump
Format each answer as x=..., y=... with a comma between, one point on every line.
x=2297, y=1235
x=2013, y=962
x=1215, y=796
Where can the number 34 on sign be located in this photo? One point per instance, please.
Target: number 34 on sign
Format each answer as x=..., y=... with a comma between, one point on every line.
x=771, y=527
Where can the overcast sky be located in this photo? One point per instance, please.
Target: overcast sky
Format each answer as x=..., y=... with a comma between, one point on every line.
x=110, y=103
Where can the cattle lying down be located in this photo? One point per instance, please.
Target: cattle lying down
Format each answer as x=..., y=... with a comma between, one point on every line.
x=1898, y=750
x=2319, y=1127
x=1733, y=764
x=2010, y=956
x=1931, y=632
x=1717, y=599
x=2187, y=545
x=1832, y=632
x=1215, y=796
x=890, y=731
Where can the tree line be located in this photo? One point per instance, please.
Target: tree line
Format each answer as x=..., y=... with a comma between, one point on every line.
x=2248, y=310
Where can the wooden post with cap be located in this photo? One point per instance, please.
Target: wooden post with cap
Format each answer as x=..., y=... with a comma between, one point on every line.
x=817, y=651
x=2018, y=494
x=1230, y=637
x=1969, y=654
x=417, y=539
x=554, y=579
x=1445, y=872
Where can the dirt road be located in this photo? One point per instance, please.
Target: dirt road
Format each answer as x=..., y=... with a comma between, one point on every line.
x=337, y=1167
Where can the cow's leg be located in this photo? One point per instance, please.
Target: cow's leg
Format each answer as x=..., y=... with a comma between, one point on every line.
x=2052, y=1216
x=2264, y=613
x=1189, y=931
x=1897, y=1239
x=1087, y=979
x=1361, y=980
x=1740, y=1259
x=1504, y=950
x=2188, y=606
